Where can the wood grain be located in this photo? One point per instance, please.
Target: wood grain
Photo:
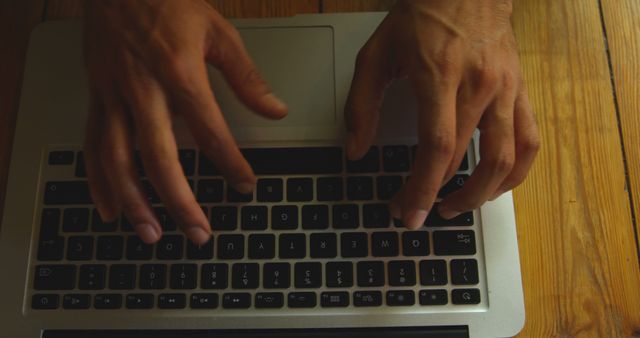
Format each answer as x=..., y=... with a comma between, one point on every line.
x=622, y=20
x=67, y=9
x=17, y=19
x=357, y=5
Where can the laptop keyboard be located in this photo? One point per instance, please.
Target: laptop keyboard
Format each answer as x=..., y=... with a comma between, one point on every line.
x=316, y=233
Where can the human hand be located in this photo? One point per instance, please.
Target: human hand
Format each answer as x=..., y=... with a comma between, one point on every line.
x=462, y=62
x=146, y=60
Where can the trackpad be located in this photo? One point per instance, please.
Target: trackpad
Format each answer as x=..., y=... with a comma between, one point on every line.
x=298, y=65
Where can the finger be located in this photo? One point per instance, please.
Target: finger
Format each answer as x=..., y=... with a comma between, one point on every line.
x=117, y=161
x=208, y=127
x=527, y=141
x=436, y=146
x=362, y=110
x=497, y=151
x=100, y=191
x=229, y=55
x=159, y=155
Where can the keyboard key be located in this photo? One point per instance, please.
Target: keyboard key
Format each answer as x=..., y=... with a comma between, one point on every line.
x=464, y=271
x=98, y=225
x=369, y=163
x=346, y=216
x=107, y=301
x=269, y=300
x=308, y=275
x=315, y=217
x=375, y=216
x=367, y=298
x=384, y=244
x=224, y=218
x=79, y=248
x=136, y=301
x=206, y=167
x=465, y=296
x=150, y=192
x=454, y=184
x=292, y=246
x=245, y=276
x=170, y=247
x=110, y=248
x=230, y=246
x=61, y=157
x=204, y=301
x=299, y=189
x=184, y=276
x=45, y=301
x=353, y=244
x=204, y=251
x=51, y=249
x=415, y=243
x=165, y=220
x=64, y=193
x=122, y=276
x=359, y=188
x=323, y=245
x=388, y=186
x=334, y=299
x=92, y=277
x=395, y=159
x=137, y=249
x=49, y=223
x=126, y=226
x=210, y=191
x=402, y=273
x=236, y=300
x=401, y=298
x=76, y=301
x=294, y=161
x=75, y=220
x=276, y=276
x=234, y=196
x=54, y=277
x=262, y=246
x=459, y=242
x=434, y=219
x=284, y=217
x=339, y=274
x=370, y=273
x=172, y=301
x=329, y=189
x=269, y=190
x=254, y=218
x=464, y=165
x=301, y=299
x=433, y=272
x=433, y=297
x=215, y=276
x=80, y=169
x=187, y=158
x=153, y=276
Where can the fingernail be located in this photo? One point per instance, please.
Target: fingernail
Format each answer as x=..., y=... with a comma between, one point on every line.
x=197, y=234
x=147, y=233
x=276, y=102
x=244, y=188
x=447, y=213
x=416, y=219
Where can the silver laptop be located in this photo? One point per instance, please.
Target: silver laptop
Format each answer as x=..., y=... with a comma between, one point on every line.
x=317, y=255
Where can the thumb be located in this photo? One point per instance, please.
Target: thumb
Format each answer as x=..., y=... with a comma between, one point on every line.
x=230, y=56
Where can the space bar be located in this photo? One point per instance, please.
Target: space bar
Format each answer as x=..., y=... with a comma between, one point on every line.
x=294, y=161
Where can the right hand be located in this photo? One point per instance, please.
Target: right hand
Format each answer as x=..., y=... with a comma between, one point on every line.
x=147, y=60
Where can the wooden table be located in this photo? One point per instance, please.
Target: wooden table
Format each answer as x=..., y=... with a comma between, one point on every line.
x=577, y=211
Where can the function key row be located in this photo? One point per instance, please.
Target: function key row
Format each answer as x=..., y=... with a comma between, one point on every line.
x=261, y=246
x=306, y=275
x=261, y=300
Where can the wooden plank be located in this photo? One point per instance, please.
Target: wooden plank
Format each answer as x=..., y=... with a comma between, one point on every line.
x=67, y=9
x=579, y=264
x=577, y=248
x=17, y=19
x=357, y=5
x=622, y=22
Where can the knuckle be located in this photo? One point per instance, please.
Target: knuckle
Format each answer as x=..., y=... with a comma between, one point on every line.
x=180, y=70
x=509, y=81
x=530, y=144
x=502, y=162
x=442, y=143
x=486, y=76
x=115, y=157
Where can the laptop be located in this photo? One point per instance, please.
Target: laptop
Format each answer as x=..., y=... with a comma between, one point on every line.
x=313, y=252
